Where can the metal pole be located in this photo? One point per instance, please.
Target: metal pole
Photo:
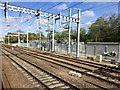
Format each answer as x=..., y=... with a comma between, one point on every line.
x=8, y=40
x=40, y=28
x=69, y=31
x=78, y=35
x=27, y=38
x=18, y=38
x=53, y=22
x=86, y=50
x=60, y=21
x=94, y=50
x=60, y=34
x=38, y=32
x=60, y=30
x=119, y=52
x=48, y=34
x=106, y=50
x=6, y=10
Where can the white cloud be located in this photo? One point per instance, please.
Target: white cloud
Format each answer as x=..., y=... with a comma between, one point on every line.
x=43, y=21
x=85, y=14
x=75, y=15
x=88, y=14
x=89, y=23
x=61, y=7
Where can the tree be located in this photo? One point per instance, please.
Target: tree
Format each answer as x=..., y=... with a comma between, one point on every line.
x=96, y=29
x=58, y=37
x=105, y=29
x=82, y=34
x=31, y=36
x=63, y=36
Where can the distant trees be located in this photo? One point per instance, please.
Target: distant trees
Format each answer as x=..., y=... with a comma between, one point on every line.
x=23, y=37
x=102, y=30
x=63, y=36
x=105, y=29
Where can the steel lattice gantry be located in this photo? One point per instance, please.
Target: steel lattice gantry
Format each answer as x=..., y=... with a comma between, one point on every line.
x=8, y=7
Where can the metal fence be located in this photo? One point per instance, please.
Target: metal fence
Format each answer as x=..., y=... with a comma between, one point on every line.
x=95, y=49
x=90, y=49
x=63, y=48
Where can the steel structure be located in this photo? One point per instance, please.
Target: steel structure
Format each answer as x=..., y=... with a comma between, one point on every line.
x=11, y=36
x=8, y=7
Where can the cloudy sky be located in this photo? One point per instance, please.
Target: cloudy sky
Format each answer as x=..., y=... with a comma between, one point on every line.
x=90, y=11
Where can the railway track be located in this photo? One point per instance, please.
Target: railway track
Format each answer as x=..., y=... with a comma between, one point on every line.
x=85, y=62
x=93, y=64
x=48, y=80
x=101, y=73
x=87, y=72
x=5, y=84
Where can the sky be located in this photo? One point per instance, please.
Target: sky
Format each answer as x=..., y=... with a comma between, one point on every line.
x=90, y=11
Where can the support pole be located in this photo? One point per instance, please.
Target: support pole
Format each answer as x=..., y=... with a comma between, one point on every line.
x=6, y=10
x=18, y=38
x=78, y=35
x=27, y=38
x=53, y=23
x=69, y=50
x=40, y=27
x=60, y=33
x=60, y=21
x=48, y=34
x=8, y=40
x=118, y=52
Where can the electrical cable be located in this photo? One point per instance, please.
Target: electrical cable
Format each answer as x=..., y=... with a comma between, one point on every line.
x=53, y=6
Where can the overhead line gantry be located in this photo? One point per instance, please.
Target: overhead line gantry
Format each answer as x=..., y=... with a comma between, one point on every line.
x=8, y=7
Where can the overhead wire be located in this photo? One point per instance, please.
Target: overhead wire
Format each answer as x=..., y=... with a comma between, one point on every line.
x=70, y=7
x=94, y=7
x=40, y=6
x=53, y=6
x=100, y=8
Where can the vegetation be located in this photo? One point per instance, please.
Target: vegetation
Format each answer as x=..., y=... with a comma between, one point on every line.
x=63, y=36
x=105, y=30
x=23, y=37
x=102, y=30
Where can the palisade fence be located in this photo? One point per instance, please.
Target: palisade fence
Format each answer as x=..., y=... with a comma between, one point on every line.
x=99, y=48
x=63, y=48
x=89, y=49
x=92, y=49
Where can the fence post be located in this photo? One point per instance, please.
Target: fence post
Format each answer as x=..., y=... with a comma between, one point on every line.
x=85, y=50
x=118, y=52
x=106, y=50
x=94, y=50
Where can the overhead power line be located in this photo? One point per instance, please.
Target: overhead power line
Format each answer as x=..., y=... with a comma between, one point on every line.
x=72, y=6
x=53, y=6
x=40, y=6
x=95, y=7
